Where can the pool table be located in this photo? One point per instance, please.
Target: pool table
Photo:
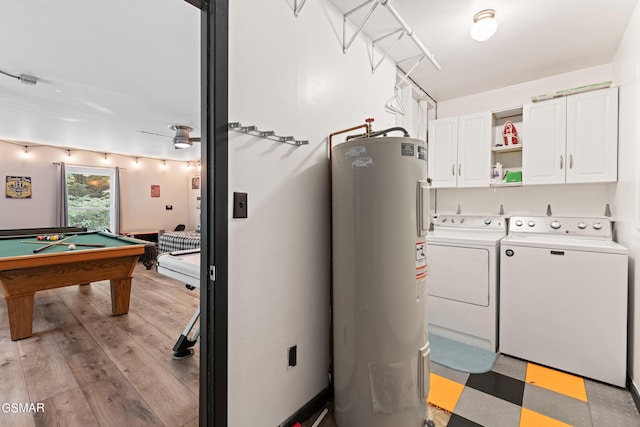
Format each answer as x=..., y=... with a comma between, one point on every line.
x=23, y=272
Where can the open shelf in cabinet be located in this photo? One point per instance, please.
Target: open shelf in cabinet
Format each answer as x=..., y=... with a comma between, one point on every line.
x=509, y=156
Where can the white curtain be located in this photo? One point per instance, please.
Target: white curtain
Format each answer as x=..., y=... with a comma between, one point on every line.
x=62, y=219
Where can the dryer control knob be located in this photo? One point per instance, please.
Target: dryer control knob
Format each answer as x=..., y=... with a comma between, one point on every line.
x=582, y=226
x=518, y=223
x=487, y=221
x=597, y=226
x=531, y=223
x=555, y=225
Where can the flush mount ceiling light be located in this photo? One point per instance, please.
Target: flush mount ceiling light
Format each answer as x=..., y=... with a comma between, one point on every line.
x=484, y=25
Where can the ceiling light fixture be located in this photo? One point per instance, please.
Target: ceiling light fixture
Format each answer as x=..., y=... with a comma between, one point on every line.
x=484, y=25
x=182, y=139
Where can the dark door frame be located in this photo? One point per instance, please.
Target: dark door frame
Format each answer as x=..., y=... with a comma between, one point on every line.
x=214, y=222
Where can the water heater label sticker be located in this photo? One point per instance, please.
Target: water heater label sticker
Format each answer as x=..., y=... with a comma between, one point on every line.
x=362, y=162
x=422, y=271
x=422, y=153
x=408, y=149
x=355, y=152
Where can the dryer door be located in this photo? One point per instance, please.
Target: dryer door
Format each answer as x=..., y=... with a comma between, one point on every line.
x=459, y=273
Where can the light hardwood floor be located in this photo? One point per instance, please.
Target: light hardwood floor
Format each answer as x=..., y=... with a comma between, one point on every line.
x=90, y=368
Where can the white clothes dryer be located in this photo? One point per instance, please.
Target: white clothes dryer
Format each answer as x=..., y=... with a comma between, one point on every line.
x=563, y=296
x=462, y=255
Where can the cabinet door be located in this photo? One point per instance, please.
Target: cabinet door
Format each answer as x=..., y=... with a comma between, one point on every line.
x=474, y=150
x=443, y=151
x=592, y=136
x=543, y=149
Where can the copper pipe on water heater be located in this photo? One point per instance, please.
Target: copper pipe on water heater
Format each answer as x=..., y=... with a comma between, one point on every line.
x=367, y=126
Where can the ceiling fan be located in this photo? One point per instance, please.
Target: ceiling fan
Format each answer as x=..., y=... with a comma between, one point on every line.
x=181, y=139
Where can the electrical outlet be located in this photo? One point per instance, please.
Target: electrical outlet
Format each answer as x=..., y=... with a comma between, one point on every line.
x=292, y=356
x=168, y=207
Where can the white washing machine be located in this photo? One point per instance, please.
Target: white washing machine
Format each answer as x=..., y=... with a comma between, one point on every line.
x=563, y=296
x=462, y=255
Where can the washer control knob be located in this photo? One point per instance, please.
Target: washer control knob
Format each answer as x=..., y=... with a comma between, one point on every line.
x=461, y=220
x=487, y=221
x=597, y=226
x=453, y=220
x=555, y=225
x=582, y=226
x=444, y=219
x=518, y=223
x=531, y=223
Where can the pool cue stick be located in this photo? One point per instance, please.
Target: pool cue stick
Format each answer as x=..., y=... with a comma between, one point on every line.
x=91, y=245
x=42, y=248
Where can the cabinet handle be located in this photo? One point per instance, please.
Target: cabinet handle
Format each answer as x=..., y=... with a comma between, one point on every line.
x=570, y=161
x=453, y=169
x=460, y=169
x=561, y=162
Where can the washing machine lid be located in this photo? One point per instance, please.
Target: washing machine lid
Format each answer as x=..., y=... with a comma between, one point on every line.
x=558, y=242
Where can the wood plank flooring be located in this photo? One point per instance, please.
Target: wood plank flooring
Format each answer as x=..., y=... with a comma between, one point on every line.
x=90, y=368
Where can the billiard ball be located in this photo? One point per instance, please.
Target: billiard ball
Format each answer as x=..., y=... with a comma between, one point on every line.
x=72, y=247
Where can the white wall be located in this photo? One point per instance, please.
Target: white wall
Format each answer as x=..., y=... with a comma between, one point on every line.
x=288, y=75
x=627, y=76
x=139, y=210
x=565, y=199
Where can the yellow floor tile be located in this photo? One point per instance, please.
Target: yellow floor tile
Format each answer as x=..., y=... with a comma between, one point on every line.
x=560, y=382
x=529, y=418
x=444, y=393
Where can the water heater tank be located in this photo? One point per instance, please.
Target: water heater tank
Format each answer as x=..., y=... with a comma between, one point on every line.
x=380, y=200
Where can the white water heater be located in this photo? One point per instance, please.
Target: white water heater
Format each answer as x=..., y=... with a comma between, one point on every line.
x=380, y=200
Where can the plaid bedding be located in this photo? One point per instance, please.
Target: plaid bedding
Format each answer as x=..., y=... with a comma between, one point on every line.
x=178, y=241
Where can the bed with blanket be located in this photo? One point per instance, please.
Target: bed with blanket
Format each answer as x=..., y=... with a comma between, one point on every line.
x=178, y=241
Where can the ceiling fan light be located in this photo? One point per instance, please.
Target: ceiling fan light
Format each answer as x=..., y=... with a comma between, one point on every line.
x=484, y=25
x=181, y=142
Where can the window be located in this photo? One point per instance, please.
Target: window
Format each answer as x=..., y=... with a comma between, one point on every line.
x=91, y=197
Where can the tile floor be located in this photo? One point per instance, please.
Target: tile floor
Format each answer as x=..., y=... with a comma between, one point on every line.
x=521, y=394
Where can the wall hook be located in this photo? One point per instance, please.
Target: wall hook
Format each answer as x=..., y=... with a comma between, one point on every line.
x=549, y=210
x=459, y=211
x=501, y=212
x=607, y=211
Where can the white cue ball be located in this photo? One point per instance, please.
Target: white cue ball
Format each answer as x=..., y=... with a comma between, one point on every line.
x=72, y=247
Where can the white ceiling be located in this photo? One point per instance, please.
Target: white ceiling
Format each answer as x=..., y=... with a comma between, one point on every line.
x=109, y=69
x=535, y=39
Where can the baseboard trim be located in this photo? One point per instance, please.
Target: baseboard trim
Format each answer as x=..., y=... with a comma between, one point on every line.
x=634, y=392
x=309, y=408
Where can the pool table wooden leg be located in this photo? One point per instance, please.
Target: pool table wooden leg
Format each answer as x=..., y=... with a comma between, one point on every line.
x=120, y=295
x=20, y=311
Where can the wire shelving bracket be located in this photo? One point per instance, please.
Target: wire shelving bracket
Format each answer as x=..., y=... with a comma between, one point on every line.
x=404, y=29
x=297, y=6
x=267, y=134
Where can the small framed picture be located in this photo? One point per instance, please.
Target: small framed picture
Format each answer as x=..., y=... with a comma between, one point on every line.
x=18, y=187
x=155, y=191
x=195, y=183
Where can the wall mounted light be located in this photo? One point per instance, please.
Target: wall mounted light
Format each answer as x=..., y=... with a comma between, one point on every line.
x=484, y=25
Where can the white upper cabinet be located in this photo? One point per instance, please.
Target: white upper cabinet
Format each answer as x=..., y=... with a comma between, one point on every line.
x=459, y=151
x=543, y=157
x=572, y=139
x=592, y=136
